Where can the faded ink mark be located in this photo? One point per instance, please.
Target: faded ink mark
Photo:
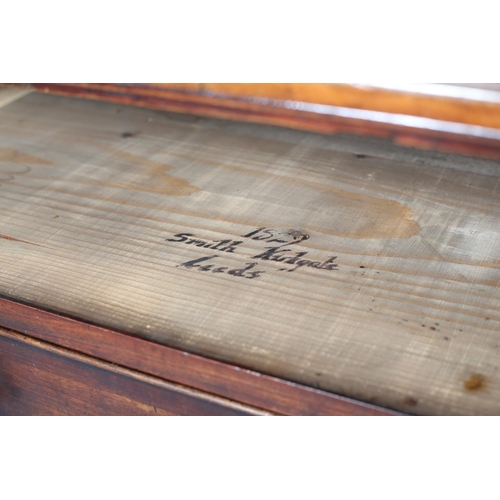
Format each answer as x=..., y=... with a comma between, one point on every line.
x=14, y=156
x=9, y=156
x=475, y=382
x=9, y=173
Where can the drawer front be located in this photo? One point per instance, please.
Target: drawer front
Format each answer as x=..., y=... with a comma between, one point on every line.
x=39, y=379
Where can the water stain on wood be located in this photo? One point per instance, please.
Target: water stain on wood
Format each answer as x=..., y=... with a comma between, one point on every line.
x=152, y=176
x=374, y=217
x=475, y=382
x=15, y=156
x=380, y=218
x=157, y=181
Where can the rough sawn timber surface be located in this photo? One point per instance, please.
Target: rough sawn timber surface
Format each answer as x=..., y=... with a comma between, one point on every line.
x=384, y=283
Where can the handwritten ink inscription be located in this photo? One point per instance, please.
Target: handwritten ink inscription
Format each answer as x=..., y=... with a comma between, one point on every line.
x=279, y=251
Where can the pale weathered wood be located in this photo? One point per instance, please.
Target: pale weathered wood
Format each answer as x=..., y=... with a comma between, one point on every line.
x=91, y=194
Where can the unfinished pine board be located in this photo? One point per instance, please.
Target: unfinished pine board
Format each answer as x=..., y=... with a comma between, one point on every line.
x=349, y=265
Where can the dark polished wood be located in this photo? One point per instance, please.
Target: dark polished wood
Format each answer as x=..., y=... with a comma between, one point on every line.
x=37, y=378
x=221, y=379
x=459, y=123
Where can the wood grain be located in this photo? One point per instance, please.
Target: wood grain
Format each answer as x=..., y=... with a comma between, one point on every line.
x=39, y=379
x=443, y=117
x=229, y=381
x=404, y=321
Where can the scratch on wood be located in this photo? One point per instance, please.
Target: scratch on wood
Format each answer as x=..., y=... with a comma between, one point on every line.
x=10, y=238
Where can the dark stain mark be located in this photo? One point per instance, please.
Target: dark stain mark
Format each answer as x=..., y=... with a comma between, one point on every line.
x=318, y=374
x=125, y=135
x=405, y=320
x=409, y=401
x=475, y=382
x=446, y=338
x=361, y=267
x=298, y=235
x=360, y=156
x=10, y=238
x=487, y=319
x=437, y=324
x=433, y=328
x=423, y=326
x=55, y=216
